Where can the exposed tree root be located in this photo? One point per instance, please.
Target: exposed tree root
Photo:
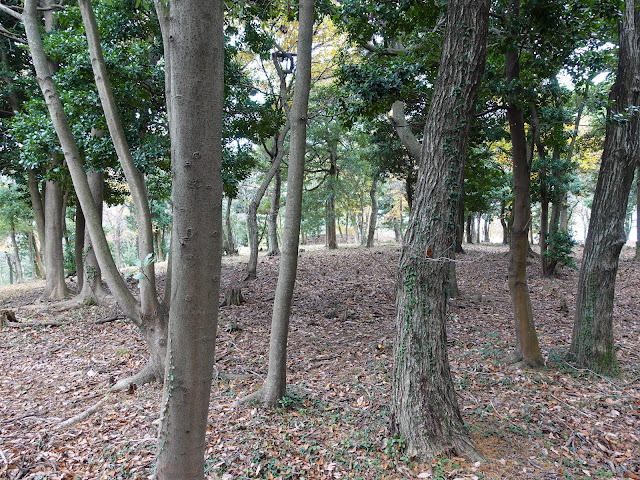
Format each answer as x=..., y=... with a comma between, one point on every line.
x=82, y=415
x=263, y=396
x=144, y=376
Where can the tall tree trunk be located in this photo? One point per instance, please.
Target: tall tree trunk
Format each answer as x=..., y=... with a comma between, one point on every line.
x=332, y=242
x=231, y=244
x=38, y=211
x=272, y=218
x=10, y=264
x=485, y=232
x=55, y=287
x=274, y=386
x=16, y=252
x=79, y=245
x=197, y=58
x=527, y=349
x=469, y=228
x=158, y=235
x=153, y=330
x=477, y=232
x=373, y=218
x=592, y=343
x=637, y=256
x=425, y=410
x=544, y=194
x=92, y=289
x=460, y=222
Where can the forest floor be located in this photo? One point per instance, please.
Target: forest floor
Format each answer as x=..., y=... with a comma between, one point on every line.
x=559, y=422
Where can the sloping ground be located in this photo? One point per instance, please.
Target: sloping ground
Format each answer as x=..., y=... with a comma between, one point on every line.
x=556, y=423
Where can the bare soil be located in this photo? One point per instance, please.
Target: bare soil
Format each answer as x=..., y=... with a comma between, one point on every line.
x=560, y=422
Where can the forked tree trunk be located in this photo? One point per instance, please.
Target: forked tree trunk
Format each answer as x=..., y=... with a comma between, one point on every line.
x=252, y=214
x=592, y=343
x=527, y=349
x=373, y=218
x=425, y=410
x=272, y=218
x=274, y=386
x=153, y=333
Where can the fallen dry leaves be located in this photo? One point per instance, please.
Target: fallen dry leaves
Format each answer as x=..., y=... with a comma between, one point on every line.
x=560, y=422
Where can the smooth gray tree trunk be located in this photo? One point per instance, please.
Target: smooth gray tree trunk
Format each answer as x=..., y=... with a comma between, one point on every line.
x=274, y=386
x=197, y=58
x=16, y=253
x=373, y=218
x=272, y=218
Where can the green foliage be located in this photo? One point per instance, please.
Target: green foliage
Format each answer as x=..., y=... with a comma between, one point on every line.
x=560, y=248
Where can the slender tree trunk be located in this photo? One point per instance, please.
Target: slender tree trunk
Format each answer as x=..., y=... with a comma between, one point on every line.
x=373, y=218
x=38, y=211
x=469, y=229
x=10, y=264
x=16, y=252
x=92, y=289
x=158, y=238
x=637, y=256
x=272, y=218
x=544, y=194
x=425, y=409
x=487, y=226
x=79, y=245
x=55, y=287
x=527, y=349
x=332, y=242
x=252, y=214
x=592, y=343
x=274, y=386
x=231, y=244
x=35, y=273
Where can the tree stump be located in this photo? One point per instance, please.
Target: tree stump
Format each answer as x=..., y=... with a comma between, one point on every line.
x=232, y=296
x=7, y=316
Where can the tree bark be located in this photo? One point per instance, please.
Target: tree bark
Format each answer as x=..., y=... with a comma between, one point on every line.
x=469, y=228
x=16, y=252
x=272, y=218
x=252, y=214
x=403, y=130
x=55, y=287
x=78, y=247
x=425, y=410
x=92, y=289
x=117, y=285
x=527, y=349
x=231, y=244
x=274, y=386
x=38, y=211
x=373, y=218
x=197, y=79
x=592, y=342
x=332, y=241
x=637, y=256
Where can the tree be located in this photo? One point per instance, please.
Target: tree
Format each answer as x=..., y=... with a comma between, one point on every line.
x=274, y=386
x=592, y=343
x=425, y=409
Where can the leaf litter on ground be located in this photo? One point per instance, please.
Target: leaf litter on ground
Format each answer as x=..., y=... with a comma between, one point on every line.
x=560, y=422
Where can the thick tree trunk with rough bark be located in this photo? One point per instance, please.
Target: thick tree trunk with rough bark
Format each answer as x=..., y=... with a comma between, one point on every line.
x=527, y=349
x=373, y=218
x=197, y=79
x=272, y=218
x=274, y=386
x=592, y=343
x=425, y=409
